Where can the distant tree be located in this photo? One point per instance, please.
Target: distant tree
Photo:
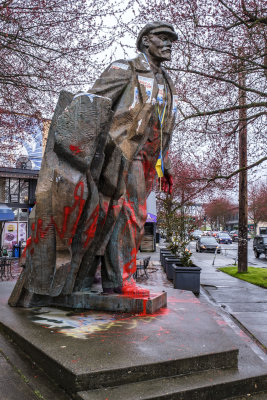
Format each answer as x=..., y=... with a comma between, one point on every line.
x=172, y=206
x=206, y=64
x=257, y=204
x=218, y=212
x=47, y=46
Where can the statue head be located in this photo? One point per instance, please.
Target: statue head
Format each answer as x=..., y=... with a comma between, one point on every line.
x=155, y=39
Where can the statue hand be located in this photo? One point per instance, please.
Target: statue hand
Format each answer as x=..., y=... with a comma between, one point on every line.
x=167, y=184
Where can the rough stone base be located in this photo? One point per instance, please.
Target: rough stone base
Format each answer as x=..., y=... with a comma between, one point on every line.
x=98, y=301
x=112, y=302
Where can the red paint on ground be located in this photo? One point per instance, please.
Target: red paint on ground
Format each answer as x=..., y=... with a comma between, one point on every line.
x=192, y=300
x=221, y=322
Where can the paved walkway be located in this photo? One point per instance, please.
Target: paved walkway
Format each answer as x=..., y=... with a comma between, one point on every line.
x=245, y=302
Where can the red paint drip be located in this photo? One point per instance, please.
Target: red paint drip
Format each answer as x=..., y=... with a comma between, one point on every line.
x=144, y=307
x=28, y=243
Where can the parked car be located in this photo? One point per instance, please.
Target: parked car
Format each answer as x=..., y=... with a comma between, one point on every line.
x=260, y=245
x=223, y=238
x=234, y=236
x=196, y=234
x=215, y=233
x=207, y=243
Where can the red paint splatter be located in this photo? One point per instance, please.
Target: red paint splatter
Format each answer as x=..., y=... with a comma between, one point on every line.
x=130, y=266
x=75, y=361
x=42, y=232
x=28, y=243
x=75, y=149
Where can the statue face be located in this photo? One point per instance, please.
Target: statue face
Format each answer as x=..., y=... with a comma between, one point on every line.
x=158, y=46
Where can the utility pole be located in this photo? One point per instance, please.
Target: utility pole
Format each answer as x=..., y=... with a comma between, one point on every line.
x=243, y=192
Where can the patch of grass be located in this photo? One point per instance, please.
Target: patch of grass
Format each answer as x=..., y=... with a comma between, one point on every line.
x=257, y=276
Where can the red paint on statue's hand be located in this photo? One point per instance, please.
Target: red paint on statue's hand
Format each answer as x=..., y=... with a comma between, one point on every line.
x=167, y=184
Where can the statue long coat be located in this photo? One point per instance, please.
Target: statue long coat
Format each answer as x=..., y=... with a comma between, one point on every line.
x=59, y=258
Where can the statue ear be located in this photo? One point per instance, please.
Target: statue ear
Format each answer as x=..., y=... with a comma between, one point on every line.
x=145, y=41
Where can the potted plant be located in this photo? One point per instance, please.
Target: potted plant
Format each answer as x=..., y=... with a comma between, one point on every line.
x=186, y=275
x=174, y=220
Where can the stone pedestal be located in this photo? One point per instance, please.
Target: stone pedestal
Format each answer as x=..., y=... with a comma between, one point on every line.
x=99, y=301
x=113, y=302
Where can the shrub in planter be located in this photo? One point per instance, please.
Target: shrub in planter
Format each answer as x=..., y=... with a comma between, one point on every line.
x=178, y=225
x=186, y=275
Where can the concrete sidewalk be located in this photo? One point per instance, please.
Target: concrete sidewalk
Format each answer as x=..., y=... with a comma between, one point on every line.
x=244, y=302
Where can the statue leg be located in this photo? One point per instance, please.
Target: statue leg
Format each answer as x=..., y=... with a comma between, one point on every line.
x=119, y=260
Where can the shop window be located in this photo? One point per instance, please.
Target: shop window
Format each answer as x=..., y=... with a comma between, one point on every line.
x=24, y=192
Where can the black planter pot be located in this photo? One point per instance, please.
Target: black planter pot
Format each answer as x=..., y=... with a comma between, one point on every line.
x=163, y=255
x=168, y=265
x=186, y=278
x=169, y=256
x=163, y=249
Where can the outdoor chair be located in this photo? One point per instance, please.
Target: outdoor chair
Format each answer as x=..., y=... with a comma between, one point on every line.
x=142, y=266
x=2, y=267
x=5, y=268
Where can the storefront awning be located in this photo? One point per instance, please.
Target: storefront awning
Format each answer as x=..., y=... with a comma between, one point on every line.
x=151, y=218
x=6, y=213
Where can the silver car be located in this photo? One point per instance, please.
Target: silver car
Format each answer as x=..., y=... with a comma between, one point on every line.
x=208, y=244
